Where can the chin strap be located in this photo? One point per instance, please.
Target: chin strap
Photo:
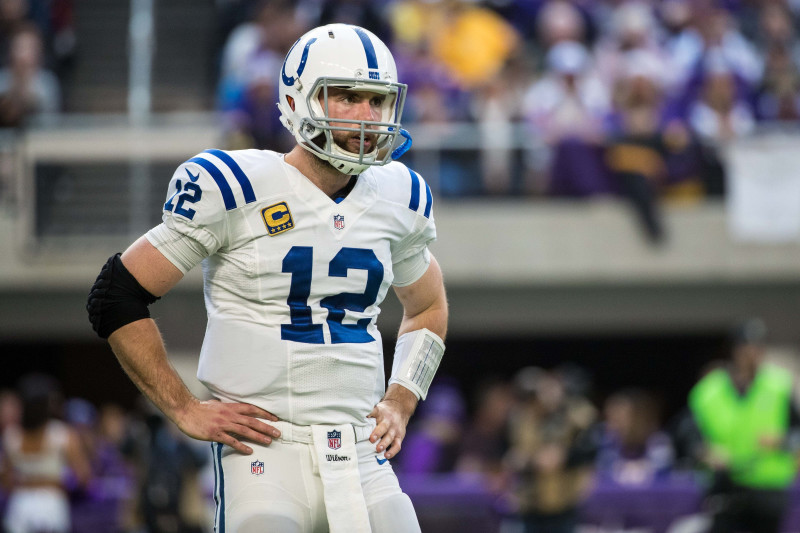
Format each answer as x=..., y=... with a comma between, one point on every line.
x=403, y=148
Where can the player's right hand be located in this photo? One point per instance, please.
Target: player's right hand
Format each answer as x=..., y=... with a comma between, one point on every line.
x=228, y=423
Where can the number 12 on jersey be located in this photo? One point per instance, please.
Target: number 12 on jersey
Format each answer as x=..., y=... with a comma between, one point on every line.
x=299, y=262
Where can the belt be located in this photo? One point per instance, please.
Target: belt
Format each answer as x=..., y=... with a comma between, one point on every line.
x=302, y=434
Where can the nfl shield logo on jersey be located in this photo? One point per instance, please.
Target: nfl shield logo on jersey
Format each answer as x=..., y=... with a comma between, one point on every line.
x=338, y=221
x=257, y=468
x=334, y=439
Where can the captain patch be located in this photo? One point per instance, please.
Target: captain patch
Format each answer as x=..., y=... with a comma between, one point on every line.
x=277, y=218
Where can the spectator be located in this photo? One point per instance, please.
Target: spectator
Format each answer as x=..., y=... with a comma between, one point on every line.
x=496, y=107
x=634, y=451
x=37, y=455
x=644, y=139
x=779, y=95
x=720, y=115
x=569, y=100
x=101, y=433
x=27, y=91
x=168, y=464
x=634, y=32
x=551, y=453
x=13, y=17
x=252, y=121
x=485, y=439
x=473, y=44
x=680, y=41
x=10, y=410
x=81, y=416
x=747, y=416
x=432, y=443
x=777, y=31
x=559, y=21
x=721, y=43
x=271, y=31
x=565, y=111
x=411, y=23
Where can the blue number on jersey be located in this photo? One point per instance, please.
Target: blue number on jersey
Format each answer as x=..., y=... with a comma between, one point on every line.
x=299, y=262
x=191, y=192
x=359, y=259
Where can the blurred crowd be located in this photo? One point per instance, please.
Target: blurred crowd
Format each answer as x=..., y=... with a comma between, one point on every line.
x=572, y=98
x=575, y=98
x=541, y=442
x=566, y=98
x=538, y=441
x=68, y=465
x=37, y=51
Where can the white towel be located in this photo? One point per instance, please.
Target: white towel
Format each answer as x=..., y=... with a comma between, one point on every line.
x=338, y=467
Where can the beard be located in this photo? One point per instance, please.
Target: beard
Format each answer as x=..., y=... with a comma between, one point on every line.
x=348, y=141
x=351, y=141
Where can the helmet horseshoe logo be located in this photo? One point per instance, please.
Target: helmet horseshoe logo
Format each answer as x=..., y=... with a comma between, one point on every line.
x=301, y=67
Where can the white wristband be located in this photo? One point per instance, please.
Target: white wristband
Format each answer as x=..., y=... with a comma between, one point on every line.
x=416, y=358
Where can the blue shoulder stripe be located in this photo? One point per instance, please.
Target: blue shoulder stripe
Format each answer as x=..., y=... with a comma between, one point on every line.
x=430, y=201
x=222, y=183
x=414, y=203
x=247, y=188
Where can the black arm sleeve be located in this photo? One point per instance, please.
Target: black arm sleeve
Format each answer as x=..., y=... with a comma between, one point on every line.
x=116, y=298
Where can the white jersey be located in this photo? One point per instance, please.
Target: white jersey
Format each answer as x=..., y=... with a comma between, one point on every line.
x=293, y=280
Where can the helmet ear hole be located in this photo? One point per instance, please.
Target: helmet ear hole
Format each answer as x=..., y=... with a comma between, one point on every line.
x=290, y=101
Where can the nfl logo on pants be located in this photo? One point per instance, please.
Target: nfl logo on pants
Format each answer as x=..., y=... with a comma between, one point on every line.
x=257, y=468
x=334, y=439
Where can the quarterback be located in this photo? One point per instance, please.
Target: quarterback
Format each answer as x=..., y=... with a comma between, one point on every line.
x=298, y=251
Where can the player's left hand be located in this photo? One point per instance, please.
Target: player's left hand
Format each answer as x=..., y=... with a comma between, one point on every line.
x=391, y=415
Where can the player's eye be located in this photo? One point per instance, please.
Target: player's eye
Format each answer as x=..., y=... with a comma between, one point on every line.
x=377, y=101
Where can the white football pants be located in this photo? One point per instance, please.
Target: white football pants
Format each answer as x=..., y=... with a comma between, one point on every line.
x=288, y=496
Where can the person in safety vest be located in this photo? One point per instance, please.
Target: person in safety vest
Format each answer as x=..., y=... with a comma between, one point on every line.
x=748, y=421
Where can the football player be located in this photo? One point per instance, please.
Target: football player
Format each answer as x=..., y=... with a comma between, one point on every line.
x=298, y=252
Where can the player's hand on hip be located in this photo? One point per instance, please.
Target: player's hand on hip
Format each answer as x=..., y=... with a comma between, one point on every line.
x=228, y=423
x=391, y=416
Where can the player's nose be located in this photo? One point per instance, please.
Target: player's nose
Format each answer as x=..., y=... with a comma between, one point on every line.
x=367, y=111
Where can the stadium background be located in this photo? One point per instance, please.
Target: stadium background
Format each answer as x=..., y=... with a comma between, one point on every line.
x=539, y=272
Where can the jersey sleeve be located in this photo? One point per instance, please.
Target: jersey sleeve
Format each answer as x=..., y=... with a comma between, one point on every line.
x=410, y=257
x=196, y=208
